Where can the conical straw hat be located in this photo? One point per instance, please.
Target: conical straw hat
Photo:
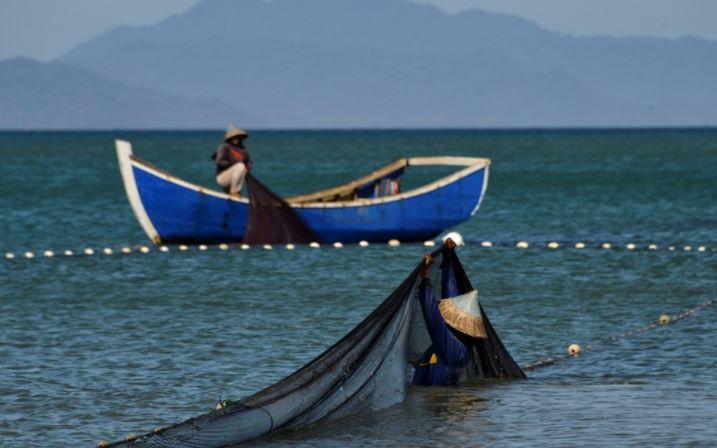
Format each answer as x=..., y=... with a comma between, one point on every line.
x=234, y=131
x=463, y=313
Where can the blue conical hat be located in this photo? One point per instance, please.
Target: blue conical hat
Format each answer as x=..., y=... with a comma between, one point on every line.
x=463, y=313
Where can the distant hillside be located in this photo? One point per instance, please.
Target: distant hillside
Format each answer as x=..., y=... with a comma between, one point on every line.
x=36, y=95
x=393, y=63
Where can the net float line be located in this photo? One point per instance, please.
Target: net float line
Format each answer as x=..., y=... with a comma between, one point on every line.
x=457, y=237
x=574, y=349
x=146, y=249
x=600, y=246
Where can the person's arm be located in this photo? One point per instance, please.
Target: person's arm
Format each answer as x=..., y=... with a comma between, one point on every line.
x=247, y=159
x=449, y=287
x=446, y=346
x=223, y=157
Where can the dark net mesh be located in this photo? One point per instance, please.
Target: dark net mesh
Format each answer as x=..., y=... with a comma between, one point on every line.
x=272, y=220
x=368, y=369
x=490, y=357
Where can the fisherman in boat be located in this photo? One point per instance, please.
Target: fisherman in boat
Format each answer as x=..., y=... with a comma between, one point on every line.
x=450, y=322
x=232, y=160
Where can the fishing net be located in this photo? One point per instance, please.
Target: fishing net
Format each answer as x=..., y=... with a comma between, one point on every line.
x=368, y=369
x=273, y=221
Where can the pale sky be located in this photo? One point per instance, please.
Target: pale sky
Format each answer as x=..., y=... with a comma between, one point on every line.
x=44, y=29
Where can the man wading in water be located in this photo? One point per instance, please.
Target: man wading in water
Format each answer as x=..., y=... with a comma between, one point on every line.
x=444, y=362
x=233, y=160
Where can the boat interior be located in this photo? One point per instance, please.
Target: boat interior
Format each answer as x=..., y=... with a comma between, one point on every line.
x=383, y=182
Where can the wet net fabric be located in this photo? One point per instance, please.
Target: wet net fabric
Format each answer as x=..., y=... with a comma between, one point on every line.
x=490, y=358
x=368, y=369
x=273, y=221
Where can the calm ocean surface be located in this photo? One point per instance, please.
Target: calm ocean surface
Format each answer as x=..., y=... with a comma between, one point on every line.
x=97, y=347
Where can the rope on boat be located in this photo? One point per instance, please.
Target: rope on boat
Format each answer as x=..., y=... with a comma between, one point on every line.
x=520, y=245
x=574, y=350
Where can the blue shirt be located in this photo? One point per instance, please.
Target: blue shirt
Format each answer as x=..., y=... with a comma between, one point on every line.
x=443, y=362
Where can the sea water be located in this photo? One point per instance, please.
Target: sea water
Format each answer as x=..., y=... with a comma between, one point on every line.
x=97, y=347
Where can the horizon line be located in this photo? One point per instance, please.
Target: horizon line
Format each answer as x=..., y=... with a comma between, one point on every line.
x=375, y=129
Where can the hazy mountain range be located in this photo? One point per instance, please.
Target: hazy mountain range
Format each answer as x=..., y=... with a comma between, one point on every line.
x=359, y=63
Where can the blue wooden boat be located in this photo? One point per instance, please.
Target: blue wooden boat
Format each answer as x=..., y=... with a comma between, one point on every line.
x=171, y=210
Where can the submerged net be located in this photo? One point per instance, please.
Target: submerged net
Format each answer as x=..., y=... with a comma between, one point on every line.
x=273, y=221
x=368, y=369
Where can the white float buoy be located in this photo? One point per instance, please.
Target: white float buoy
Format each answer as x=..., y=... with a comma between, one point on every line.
x=363, y=243
x=107, y=251
x=631, y=246
x=522, y=245
x=164, y=249
x=314, y=245
x=245, y=247
x=456, y=237
x=89, y=251
x=29, y=255
x=9, y=255
x=144, y=249
x=68, y=253
x=652, y=247
x=48, y=253
x=394, y=243
x=221, y=405
x=290, y=246
x=688, y=248
x=486, y=244
x=580, y=245
x=338, y=245
x=701, y=249
x=573, y=349
x=267, y=247
x=606, y=245
x=202, y=247
x=553, y=245
x=671, y=248
x=429, y=243
x=223, y=246
x=126, y=250
x=183, y=247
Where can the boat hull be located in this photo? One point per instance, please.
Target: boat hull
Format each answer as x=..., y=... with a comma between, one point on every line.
x=183, y=215
x=173, y=211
